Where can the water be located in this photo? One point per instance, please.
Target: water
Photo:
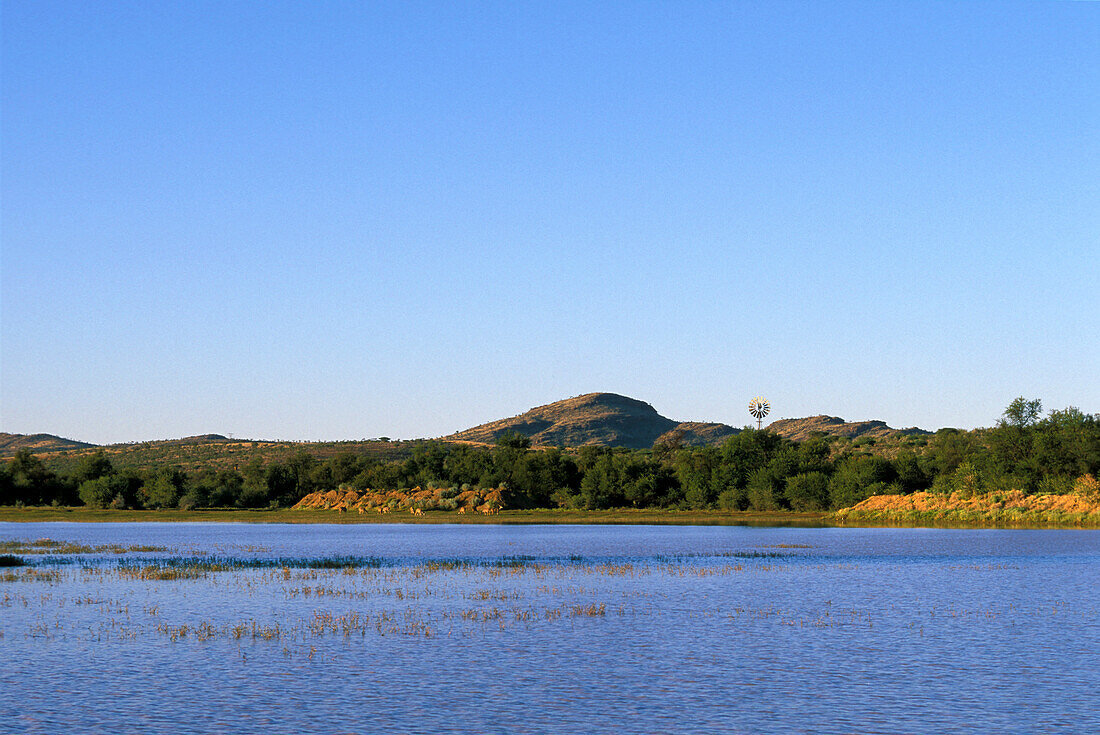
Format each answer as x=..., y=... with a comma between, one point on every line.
x=532, y=629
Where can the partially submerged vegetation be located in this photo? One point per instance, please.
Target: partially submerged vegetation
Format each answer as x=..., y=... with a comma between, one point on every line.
x=51, y=546
x=468, y=594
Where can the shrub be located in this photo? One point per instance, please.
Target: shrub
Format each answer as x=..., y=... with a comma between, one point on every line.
x=808, y=491
x=1056, y=485
x=1088, y=486
x=729, y=500
x=763, y=490
x=103, y=491
x=967, y=481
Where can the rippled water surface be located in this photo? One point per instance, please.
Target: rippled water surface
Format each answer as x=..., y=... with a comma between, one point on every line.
x=211, y=628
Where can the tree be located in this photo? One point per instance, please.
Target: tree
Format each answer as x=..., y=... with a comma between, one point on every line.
x=164, y=488
x=764, y=490
x=808, y=491
x=93, y=466
x=514, y=440
x=858, y=478
x=254, y=493
x=1022, y=412
x=105, y=491
x=30, y=481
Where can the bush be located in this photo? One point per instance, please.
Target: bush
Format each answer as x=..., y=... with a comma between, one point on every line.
x=967, y=481
x=763, y=491
x=808, y=491
x=1056, y=485
x=1087, y=486
x=102, y=491
x=729, y=500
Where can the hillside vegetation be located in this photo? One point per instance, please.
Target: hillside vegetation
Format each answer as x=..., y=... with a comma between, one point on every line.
x=215, y=452
x=1024, y=457
x=37, y=443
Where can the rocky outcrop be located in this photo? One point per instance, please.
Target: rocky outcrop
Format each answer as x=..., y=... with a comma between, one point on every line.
x=803, y=429
x=602, y=419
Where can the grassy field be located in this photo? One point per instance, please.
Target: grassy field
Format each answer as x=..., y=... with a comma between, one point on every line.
x=627, y=517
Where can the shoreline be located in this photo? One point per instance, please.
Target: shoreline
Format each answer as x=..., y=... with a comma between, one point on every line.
x=841, y=519
x=504, y=517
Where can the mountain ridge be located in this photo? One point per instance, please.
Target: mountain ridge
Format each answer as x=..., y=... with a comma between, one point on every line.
x=599, y=419
x=610, y=419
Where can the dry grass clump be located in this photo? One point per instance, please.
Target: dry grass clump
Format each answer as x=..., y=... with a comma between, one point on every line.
x=1012, y=508
x=1087, y=487
x=161, y=574
x=415, y=500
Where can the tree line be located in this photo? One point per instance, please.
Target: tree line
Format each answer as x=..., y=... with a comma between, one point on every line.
x=751, y=470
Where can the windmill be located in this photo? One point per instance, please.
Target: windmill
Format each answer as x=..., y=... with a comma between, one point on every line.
x=759, y=408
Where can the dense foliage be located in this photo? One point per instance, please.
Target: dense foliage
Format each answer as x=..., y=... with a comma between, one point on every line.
x=752, y=470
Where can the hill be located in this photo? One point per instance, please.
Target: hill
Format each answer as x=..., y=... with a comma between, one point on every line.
x=803, y=429
x=37, y=443
x=603, y=419
x=212, y=451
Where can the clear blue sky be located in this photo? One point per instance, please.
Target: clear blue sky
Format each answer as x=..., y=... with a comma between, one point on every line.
x=344, y=219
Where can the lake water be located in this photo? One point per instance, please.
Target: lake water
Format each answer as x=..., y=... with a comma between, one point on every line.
x=229, y=628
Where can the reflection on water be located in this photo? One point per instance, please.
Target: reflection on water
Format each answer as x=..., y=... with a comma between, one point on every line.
x=202, y=628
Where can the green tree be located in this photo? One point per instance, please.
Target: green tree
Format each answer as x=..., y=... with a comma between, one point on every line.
x=859, y=477
x=513, y=440
x=254, y=491
x=808, y=491
x=164, y=488
x=107, y=490
x=93, y=466
x=765, y=490
x=31, y=482
x=1022, y=413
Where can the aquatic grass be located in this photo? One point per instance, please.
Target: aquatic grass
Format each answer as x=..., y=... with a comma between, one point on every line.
x=229, y=563
x=589, y=611
x=160, y=574
x=52, y=546
x=30, y=574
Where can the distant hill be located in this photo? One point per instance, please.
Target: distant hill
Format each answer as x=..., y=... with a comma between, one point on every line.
x=37, y=443
x=603, y=419
x=802, y=429
x=214, y=451
x=697, y=434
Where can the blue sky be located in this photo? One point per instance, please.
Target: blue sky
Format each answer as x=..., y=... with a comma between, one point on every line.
x=343, y=220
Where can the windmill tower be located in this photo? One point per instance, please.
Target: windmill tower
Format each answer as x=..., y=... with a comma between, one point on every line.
x=759, y=408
